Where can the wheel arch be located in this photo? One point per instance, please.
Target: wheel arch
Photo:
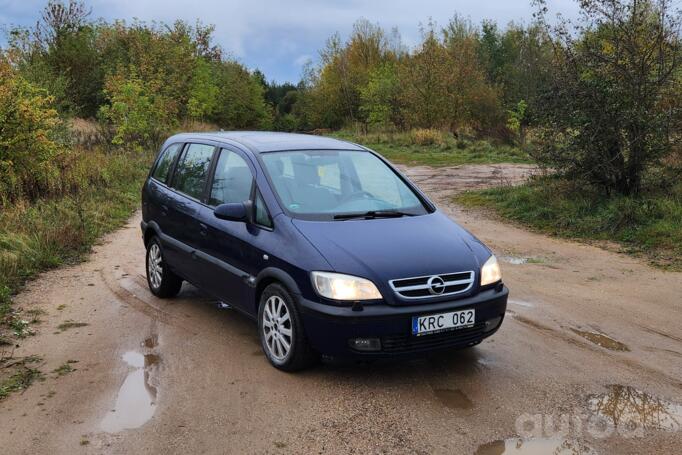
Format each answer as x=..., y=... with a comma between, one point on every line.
x=272, y=275
x=151, y=230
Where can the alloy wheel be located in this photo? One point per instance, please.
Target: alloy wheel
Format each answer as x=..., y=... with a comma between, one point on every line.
x=277, y=328
x=155, y=266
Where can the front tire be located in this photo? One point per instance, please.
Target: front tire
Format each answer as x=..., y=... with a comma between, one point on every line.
x=161, y=280
x=281, y=331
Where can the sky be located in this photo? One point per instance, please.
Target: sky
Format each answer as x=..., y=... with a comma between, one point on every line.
x=279, y=37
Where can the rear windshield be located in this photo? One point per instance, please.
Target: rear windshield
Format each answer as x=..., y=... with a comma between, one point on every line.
x=328, y=184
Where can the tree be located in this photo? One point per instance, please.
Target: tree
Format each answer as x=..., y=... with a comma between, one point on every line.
x=379, y=97
x=491, y=53
x=608, y=114
x=423, y=77
x=137, y=113
x=59, y=54
x=345, y=71
x=472, y=101
x=241, y=101
x=59, y=20
x=443, y=84
x=203, y=95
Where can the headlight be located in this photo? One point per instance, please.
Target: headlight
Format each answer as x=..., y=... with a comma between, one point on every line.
x=490, y=272
x=344, y=287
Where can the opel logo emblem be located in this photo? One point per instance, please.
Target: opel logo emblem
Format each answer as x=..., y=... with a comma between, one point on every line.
x=436, y=285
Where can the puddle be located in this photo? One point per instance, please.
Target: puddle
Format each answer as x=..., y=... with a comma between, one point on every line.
x=628, y=408
x=522, y=303
x=151, y=359
x=151, y=342
x=485, y=362
x=453, y=399
x=535, y=447
x=136, y=399
x=601, y=340
x=514, y=260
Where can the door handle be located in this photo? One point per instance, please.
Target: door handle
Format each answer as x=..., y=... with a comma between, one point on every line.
x=203, y=229
x=164, y=209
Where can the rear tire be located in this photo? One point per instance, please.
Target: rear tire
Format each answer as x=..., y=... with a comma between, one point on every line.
x=281, y=333
x=161, y=280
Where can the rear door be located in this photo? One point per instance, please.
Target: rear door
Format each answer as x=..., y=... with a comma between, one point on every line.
x=183, y=227
x=232, y=256
x=157, y=195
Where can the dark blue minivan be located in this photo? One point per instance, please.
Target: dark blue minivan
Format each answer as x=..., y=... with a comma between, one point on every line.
x=322, y=241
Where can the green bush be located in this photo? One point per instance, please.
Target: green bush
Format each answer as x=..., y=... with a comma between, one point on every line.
x=137, y=115
x=31, y=139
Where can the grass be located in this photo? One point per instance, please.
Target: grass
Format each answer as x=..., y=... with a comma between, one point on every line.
x=650, y=224
x=44, y=234
x=16, y=375
x=65, y=368
x=435, y=148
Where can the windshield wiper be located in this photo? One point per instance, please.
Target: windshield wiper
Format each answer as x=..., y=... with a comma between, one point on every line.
x=372, y=214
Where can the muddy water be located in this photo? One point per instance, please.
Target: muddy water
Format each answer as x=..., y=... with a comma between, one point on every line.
x=151, y=342
x=136, y=399
x=514, y=260
x=522, y=303
x=601, y=340
x=535, y=447
x=627, y=408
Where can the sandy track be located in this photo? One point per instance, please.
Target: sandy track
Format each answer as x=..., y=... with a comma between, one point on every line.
x=190, y=377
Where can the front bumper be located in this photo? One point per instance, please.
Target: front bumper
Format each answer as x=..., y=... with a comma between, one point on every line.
x=329, y=328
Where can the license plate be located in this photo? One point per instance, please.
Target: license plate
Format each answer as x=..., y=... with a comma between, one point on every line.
x=422, y=325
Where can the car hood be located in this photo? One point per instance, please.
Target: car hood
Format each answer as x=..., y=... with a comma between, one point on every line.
x=384, y=249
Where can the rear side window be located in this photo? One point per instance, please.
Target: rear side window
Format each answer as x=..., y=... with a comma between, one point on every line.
x=165, y=162
x=192, y=170
x=232, y=181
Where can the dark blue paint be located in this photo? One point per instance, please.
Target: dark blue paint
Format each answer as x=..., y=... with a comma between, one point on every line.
x=226, y=258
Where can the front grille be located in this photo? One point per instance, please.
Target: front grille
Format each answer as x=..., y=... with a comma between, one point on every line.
x=449, y=339
x=433, y=285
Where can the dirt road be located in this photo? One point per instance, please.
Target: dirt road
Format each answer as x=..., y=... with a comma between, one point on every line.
x=591, y=350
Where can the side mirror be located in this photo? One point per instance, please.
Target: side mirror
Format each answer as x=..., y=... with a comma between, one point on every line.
x=236, y=211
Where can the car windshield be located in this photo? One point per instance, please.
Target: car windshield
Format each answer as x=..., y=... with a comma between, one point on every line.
x=339, y=184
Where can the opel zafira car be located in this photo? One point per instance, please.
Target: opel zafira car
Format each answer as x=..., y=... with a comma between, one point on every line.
x=323, y=242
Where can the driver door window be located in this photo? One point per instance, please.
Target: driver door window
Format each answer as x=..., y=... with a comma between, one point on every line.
x=232, y=180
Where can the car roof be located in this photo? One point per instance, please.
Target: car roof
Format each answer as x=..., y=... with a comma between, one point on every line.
x=266, y=141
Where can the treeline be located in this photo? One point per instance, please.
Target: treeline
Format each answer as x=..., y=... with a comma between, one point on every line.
x=140, y=78
x=462, y=78
x=144, y=79
x=138, y=81
x=598, y=99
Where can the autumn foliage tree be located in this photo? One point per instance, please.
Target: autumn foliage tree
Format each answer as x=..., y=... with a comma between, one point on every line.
x=141, y=80
x=373, y=80
x=611, y=113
